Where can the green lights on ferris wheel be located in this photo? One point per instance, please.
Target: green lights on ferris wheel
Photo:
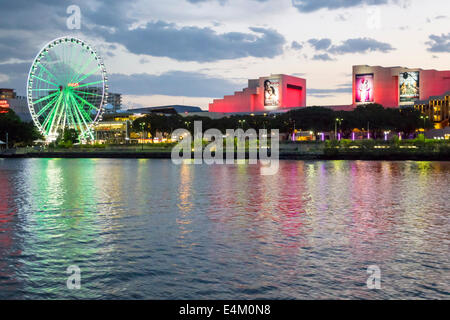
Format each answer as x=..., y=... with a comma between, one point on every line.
x=67, y=87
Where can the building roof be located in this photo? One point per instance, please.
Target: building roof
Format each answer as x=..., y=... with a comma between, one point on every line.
x=167, y=109
x=432, y=98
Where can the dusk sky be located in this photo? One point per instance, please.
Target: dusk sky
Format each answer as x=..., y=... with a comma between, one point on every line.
x=191, y=51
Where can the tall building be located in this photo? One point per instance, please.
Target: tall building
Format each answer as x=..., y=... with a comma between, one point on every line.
x=397, y=86
x=7, y=93
x=437, y=109
x=10, y=100
x=114, y=99
x=277, y=92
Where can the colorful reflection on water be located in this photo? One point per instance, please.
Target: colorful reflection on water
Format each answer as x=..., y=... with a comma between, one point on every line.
x=148, y=229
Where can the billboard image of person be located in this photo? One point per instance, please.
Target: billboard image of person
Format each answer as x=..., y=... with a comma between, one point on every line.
x=271, y=93
x=409, y=86
x=364, y=88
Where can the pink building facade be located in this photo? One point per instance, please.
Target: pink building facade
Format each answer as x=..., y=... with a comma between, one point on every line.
x=397, y=86
x=264, y=94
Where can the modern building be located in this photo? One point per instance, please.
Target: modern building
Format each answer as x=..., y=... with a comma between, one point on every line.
x=264, y=94
x=7, y=93
x=170, y=109
x=397, y=86
x=10, y=100
x=113, y=131
x=113, y=102
x=4, y=106
x=437, y=109
x=116, y=127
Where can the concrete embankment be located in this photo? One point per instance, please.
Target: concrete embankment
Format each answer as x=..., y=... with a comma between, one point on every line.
x=422, y=156
x=288, y=151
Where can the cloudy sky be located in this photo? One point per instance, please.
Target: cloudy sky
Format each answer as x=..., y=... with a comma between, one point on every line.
x=191, y=51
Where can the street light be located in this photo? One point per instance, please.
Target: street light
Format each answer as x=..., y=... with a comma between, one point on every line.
x=241, y=122
x=424, y=119
x=335, y=126
x=188, y=125
x=142, y=124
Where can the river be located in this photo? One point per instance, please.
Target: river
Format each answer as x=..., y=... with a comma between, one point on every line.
x=150, y=229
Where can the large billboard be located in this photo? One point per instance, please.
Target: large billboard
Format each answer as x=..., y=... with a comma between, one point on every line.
x=409, y=86
x=271, y=93
x=364, y=88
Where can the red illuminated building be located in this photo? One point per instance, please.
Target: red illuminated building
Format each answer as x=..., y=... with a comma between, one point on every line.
x=4, y=106
x=397, y=86
x=264, y=94
x=9, y=100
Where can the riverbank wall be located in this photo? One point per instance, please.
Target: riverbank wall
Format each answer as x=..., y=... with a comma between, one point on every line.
x=373, y=150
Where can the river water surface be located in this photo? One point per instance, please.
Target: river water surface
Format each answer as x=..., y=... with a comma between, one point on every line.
x=149, y=229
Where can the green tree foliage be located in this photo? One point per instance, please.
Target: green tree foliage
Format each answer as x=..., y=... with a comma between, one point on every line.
x=378, y=119
x=19, y=133
x=153, y=123
x=317, y=119
x=67, y=138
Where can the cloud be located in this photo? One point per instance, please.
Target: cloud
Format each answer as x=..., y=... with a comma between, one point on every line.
x=320, y=44
x=322, y=57
x=343, y=17
x=314, y=5
x=173, y=83
x=441, y=17
x=191, y=43
x=222, y=2
x=17, y=74
x=439, y=43
x=325, y=48
x=296, y=46
x=327, y=93
x=360, y=45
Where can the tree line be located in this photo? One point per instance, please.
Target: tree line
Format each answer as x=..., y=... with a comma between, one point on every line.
x=20, y=133
x=316, y=119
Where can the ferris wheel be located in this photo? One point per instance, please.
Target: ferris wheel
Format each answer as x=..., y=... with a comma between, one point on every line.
x=67, y=88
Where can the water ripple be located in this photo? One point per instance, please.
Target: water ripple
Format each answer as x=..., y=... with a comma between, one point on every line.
x=147, y=229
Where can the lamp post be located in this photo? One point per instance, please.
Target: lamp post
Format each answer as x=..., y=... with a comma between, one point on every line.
x=293, y=134
x=241, y=122
x=424, y=119
x=187, y=124
x=142, y=124
x=335, y=126
x=127, y=135
x=7, y=141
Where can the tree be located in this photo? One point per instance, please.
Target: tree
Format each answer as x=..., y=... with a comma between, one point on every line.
x=19, y=133
x=154, y=123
